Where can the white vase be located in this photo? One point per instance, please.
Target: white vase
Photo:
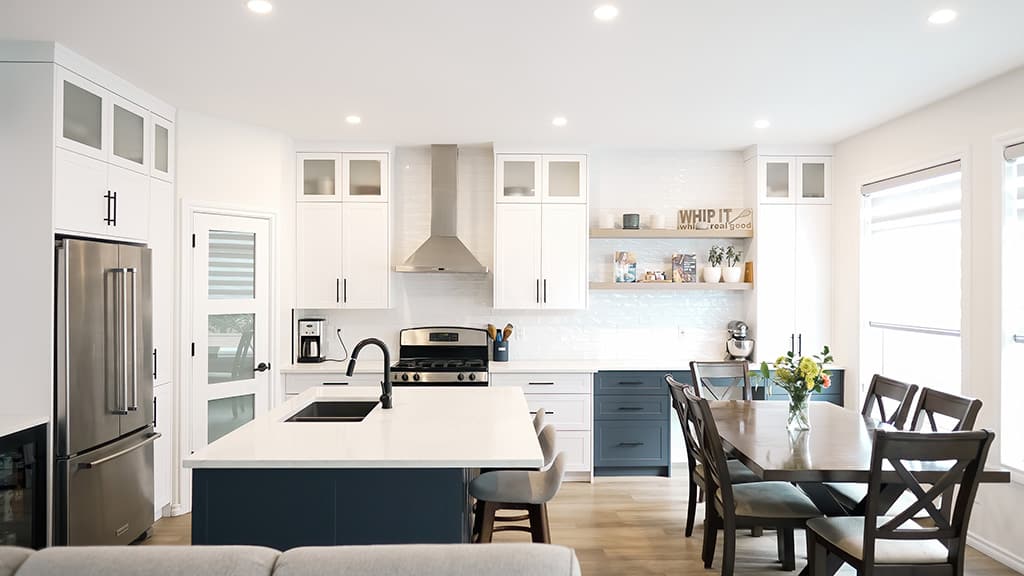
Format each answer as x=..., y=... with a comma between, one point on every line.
x=732, y=274
x=712, y=274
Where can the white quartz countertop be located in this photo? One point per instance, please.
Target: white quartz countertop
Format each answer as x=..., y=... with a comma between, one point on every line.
x=591, y=366
x=11, y=423
x=427, y=428
x=368, y=366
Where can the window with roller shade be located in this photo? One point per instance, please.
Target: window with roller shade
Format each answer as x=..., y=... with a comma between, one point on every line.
x=911, y=278
x=1013, y=308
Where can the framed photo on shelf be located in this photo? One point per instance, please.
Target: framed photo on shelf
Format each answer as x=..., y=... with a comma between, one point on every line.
x=684, y=267
x=625, y=267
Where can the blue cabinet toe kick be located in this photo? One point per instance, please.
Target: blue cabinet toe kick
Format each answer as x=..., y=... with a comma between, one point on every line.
x=287, y=508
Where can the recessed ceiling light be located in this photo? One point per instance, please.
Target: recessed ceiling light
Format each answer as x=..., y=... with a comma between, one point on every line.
x=559, y=121
x=762, y=124
x=606, y=12
x=260, y=6
x=944, y=16
x=353, y=119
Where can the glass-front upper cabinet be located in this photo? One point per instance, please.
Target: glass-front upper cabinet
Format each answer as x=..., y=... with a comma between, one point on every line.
x=319, y=177
x=81, y=110
x=365, y=177
x=776, y=180
x=565, y=179
x=518, y=178
x=162, y=148
x=814, y=179
x=129, y=135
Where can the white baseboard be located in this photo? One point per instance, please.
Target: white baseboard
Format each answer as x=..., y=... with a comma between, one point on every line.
x=179, y=510
x=997, y=553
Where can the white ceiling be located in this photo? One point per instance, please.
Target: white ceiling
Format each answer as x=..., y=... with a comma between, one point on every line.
x=667, y=73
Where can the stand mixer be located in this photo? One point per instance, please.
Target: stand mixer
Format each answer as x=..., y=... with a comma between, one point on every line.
x=739, y=346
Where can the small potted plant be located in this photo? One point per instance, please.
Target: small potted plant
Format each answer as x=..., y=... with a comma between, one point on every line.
x=732, y=272
x=713, y=271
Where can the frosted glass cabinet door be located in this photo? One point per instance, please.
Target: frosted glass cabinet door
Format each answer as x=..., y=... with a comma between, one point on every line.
x=776, y=180
x=565, y=179
x=129, y=135
x=162, y=149
x=81, y=107
x=365, y=177
x=319, y=177
x=814, y=180
x=518, y=178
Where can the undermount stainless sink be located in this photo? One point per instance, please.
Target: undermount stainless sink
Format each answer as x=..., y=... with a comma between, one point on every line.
x=334, y=411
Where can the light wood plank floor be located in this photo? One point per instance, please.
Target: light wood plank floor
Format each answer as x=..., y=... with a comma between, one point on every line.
x=631, y=526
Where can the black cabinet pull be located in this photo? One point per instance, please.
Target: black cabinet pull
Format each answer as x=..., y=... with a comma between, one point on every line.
x=631, y=383
x=115, y=208
x=542, y=383
x=548, y=412
x=631, y=408
x=792, y=343
x=545, y=290
x=337, y=290
x=109, y=220
x=630, y=444
x=344, y=290
x=154, y=363
x=334, y=383
x=799, y=344
x=538, y=291
x=154, y=411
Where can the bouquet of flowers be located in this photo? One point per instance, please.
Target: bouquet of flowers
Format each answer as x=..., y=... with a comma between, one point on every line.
x=799, y=377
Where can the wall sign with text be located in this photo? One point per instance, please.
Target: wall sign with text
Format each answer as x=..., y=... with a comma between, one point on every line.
x=716, y=219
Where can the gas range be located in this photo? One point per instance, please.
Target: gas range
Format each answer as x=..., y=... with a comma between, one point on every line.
x=441, y=356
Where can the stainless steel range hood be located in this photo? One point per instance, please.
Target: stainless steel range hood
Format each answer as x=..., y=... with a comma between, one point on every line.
x=443, y=251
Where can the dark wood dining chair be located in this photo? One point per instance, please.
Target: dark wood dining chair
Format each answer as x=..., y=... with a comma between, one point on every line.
x=943, y=412
x=725, y=380
x=894, y=544
x=891, y=399
x=738, y=473
x=778, y=505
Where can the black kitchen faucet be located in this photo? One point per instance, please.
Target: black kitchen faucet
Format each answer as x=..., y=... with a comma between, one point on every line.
x=385, y=386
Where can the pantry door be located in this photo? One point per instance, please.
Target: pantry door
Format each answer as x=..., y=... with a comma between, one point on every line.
x=231, y=312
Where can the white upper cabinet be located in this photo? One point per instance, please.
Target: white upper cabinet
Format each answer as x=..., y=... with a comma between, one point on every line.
x=564, y=179
x=526, y=178
x=518, y=178
x=161, y=148
x=364, y=177
x=129, y=135
x=365, y=263
x=81, y=115
x=318, y=241
x=517, y=256
x=319, y=177
x=563, y=257
x=794, y=179
x=130, y=191
x=93, y=198
x=813, y=290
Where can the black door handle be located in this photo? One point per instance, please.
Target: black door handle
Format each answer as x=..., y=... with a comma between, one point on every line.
x=263, y=367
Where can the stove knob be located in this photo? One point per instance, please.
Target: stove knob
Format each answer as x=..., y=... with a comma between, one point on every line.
x=463, y=376
x=472, y=376
x=416, y=377
x=405, y=377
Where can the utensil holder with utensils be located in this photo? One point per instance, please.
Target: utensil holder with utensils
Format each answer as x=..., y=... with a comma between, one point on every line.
x=500, y=351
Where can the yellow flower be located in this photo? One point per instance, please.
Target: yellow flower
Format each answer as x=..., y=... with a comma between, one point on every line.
x=781, y=361
x=810, y=383
x=783, y=374
x=809, y=368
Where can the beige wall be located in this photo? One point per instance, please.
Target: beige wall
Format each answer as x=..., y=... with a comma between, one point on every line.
x=968, y=124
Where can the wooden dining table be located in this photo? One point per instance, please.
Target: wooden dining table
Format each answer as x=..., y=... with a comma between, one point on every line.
x=837, y=448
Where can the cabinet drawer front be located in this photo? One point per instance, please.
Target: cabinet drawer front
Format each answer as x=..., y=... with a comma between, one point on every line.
x=637, y=443
x=576, y=444
x=297, y=383
x=620, y=382
x=568, y=383
x=631, y=407
x=565, y=411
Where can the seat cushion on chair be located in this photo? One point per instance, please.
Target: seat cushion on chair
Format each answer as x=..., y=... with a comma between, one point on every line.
x=847, y=534
x=772, y=500
x=738, y=473
x=511, y=486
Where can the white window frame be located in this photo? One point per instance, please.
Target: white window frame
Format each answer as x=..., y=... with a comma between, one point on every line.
x=1008, y=370
x=962, y=155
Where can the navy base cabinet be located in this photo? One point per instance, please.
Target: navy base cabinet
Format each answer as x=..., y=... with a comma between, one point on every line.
x=632, y=433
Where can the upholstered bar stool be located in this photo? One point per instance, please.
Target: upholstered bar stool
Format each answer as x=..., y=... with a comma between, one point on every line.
x=527, y=490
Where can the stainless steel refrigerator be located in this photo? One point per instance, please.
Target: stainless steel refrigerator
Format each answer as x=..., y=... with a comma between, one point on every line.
x=103, y=473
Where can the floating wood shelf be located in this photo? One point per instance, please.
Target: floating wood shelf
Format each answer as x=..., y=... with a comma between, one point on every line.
x=661, y=233
x=730, y=286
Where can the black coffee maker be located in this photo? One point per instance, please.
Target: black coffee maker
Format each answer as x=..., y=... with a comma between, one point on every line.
x=309, y=336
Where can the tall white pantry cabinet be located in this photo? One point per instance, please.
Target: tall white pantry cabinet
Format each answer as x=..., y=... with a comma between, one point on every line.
x=82, y=153
x=792, y=189
x=540, y=232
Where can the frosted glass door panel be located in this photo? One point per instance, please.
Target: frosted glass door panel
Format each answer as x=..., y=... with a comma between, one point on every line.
x=230, y=351
x=227, y=414
x=814, y=177
x=129, y=135
x=778, y=181
x=232, y=265
x=565, y=179
x=364, y=178
x=161, y=141
x=319, y=177
x=82, y=116
x=519, y=178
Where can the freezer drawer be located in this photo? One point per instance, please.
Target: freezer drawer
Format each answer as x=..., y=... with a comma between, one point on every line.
x=106, y=495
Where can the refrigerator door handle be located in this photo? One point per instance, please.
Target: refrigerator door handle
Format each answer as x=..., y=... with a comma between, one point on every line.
x=121, y=354
x=134, y=405
x=149, y=440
